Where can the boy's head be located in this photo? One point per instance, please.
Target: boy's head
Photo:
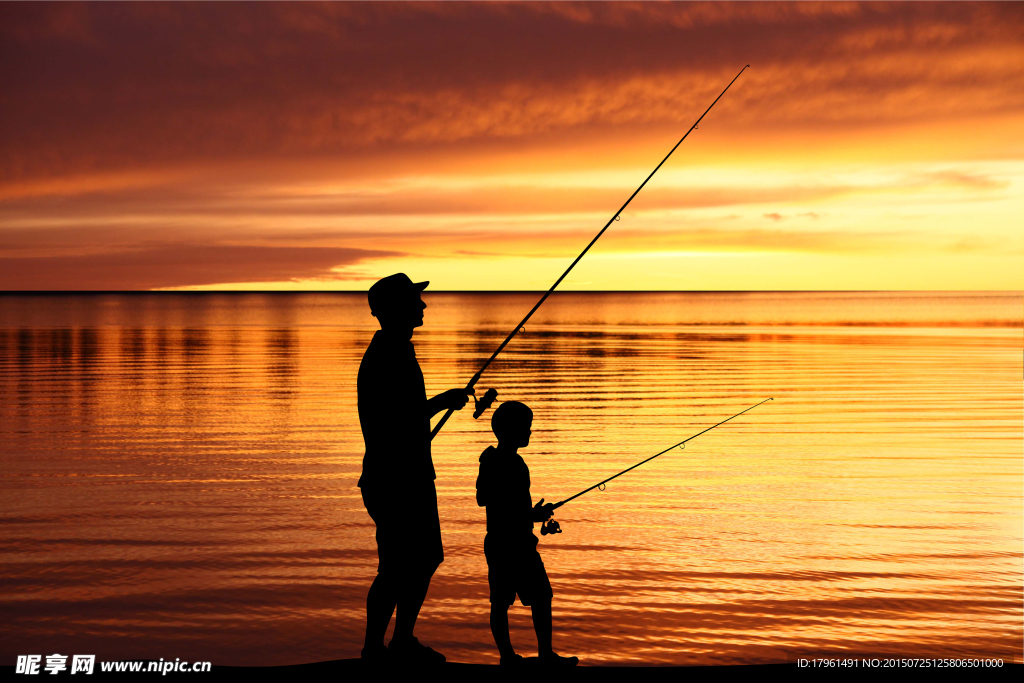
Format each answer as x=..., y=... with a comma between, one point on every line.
x=511, y=423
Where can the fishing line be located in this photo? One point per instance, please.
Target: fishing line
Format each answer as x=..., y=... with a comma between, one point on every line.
x=601, y=485
x=520, y=326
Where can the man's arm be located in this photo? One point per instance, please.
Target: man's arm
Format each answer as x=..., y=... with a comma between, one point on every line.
x=374, y=403
x=453, y=398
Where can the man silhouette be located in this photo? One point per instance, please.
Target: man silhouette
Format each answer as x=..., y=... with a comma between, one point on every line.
x=397, y=482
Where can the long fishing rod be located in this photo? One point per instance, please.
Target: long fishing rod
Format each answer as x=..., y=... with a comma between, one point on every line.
x=489, y=397
x=601, y=484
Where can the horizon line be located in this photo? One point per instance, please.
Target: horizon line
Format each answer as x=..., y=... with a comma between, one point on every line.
x=56, y=292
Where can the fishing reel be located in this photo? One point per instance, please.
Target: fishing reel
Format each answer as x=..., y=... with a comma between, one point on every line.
x=550, y=527
x=484, y=403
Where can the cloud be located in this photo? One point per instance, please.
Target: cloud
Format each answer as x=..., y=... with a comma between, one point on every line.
x=380, y=126
x=107, y=86
x=961, y=180
x=469, y=252
x=440, y=199
x=177, y=266
x=752, y=240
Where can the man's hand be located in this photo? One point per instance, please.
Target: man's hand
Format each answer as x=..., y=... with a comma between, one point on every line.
x=456, y=398
x=453, y=399
x=542, y=512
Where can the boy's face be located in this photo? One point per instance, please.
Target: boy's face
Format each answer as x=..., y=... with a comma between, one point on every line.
x=522, y=435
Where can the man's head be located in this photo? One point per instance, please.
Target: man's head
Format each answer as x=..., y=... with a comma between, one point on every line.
x=396, y=303
x=511, y=423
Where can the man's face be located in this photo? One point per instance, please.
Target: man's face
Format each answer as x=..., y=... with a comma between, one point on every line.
x=405, y=314
x=416, y=311
x=412, y=311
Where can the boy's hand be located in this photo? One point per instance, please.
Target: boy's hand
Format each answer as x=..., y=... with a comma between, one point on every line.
x=456, y=398
x=542, y=512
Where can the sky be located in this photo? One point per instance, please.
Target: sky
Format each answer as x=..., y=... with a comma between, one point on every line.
x=480, y=146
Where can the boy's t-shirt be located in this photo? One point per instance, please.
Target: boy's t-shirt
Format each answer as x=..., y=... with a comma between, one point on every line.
x=504, y=488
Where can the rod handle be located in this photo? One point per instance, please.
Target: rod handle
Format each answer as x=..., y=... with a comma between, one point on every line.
x=437, y=427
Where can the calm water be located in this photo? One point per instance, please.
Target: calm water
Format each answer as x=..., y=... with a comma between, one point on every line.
x=178, y=474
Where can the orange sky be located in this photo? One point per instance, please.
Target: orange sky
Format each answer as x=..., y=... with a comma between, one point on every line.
x=481, y=146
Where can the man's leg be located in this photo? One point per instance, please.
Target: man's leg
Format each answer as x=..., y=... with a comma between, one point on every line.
x=380, y=605
x=499, y=629
x=404, y=648
x=420, y=555
x=383, y=594
x=410, y=599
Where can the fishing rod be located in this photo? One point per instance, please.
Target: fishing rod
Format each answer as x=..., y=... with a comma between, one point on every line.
x=551, y=526
x=491, y=394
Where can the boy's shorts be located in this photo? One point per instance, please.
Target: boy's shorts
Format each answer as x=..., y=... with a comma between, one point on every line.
x=514, y=567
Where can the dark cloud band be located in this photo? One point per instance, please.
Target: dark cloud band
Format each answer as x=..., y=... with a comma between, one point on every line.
x=177, y=266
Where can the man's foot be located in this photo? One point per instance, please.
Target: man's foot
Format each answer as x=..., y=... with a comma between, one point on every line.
x=411, y=651
x=374, y=654
x=512, y=660
x=552, y=659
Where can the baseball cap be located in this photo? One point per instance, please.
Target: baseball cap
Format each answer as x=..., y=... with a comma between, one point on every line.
x=388, y=291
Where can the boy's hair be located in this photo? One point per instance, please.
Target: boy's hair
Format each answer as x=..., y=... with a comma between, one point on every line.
x=509, y=416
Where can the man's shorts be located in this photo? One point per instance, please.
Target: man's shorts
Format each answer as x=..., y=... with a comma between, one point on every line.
x=408, y=528
x=514, y=568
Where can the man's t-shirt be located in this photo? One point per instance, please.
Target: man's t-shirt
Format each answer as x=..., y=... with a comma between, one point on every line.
x=504, y=488
x=393, y=415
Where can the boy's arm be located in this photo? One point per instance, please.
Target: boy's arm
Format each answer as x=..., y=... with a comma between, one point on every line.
x=482, y=486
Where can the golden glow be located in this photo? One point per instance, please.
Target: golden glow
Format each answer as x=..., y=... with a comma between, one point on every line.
x=884, y=158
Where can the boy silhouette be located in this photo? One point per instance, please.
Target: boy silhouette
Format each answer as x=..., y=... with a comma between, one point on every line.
x=513, y=563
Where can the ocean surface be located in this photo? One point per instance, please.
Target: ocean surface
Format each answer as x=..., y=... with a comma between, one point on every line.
x=179, y=473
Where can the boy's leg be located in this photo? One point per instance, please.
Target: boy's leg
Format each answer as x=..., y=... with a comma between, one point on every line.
x=502, y=593
x=499, y=629
x=540, y=605
x=380, y=605
x=542, y=625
